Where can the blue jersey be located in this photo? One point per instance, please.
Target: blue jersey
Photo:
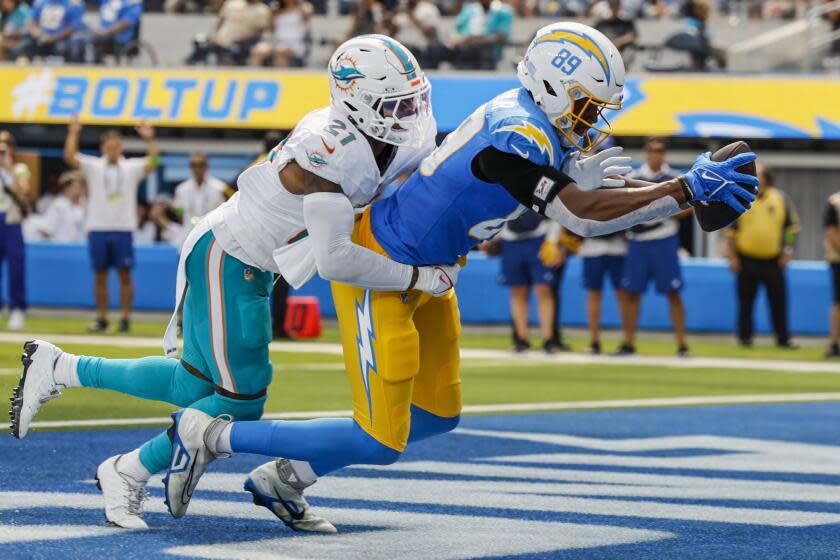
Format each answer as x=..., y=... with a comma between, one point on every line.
x=443, y=210
x=56, y=16
x=112, y=12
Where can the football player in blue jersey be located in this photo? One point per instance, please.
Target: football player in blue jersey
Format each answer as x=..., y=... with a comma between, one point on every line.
x=522, y=149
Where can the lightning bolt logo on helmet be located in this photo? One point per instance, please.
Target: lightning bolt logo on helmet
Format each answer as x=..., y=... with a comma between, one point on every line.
x=581, y=41
x=364, y=343
x=534, y=134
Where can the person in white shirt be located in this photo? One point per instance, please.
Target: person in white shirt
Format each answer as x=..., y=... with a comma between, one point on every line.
x=199, y=194
x=64, y=219
x=112, y=181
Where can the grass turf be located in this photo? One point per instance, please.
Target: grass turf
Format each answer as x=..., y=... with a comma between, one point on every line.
x=307, y=382
x=700, y=347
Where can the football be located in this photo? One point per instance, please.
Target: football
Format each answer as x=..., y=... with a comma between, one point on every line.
x=713, y=216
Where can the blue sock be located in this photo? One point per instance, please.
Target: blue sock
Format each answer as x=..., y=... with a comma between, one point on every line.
x=425, y=424
x=328, y=444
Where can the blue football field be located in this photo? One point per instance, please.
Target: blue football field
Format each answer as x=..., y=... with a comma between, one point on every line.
x=735, y=482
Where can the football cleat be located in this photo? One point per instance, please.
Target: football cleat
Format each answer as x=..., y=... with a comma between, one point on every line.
x=36, y=386
x=276, y=486
x=124, y=496
x=191, y=455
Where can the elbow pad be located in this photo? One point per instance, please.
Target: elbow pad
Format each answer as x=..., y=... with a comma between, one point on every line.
x=532, y=185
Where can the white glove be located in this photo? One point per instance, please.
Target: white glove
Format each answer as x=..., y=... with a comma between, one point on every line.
x=436, y=280
x=589, y=173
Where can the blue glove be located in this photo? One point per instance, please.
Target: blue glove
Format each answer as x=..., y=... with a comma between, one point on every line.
x=710, y=181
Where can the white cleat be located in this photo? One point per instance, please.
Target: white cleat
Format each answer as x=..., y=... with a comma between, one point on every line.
x=191, y=455
x=276, y=486
x=36, y=386
x=124, y=496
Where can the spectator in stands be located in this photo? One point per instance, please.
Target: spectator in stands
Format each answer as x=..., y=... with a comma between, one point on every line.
x=481, y=30
x=522, y=269
x=15, y=179
x=15, y=16
x=695, y=40
x=53, y=31
x=831, y=223
x=833, y=19
x=199, y=194
x=761, y=245
x=119, y=25
x=602, y=257
x=290, y=34
x=423, y=16
x=64, y=219
x=653, y=254
x=112, y=181
x=368, y=17
x=619, y=29
x=662, y=9
x=239, y=27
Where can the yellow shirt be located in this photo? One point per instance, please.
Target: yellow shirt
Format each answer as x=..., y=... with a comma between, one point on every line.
x=771, y=222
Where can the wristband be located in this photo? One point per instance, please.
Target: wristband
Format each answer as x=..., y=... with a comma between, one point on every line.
x=686, y=189
x=415, y=275
x=154, y=160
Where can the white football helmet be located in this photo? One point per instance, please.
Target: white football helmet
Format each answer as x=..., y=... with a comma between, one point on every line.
x=574, y=73
x=377, y=84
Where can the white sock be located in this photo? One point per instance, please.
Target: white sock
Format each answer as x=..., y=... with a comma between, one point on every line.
x=65, y=372
x=304, y=472
x=130, y=464
x=223, y=441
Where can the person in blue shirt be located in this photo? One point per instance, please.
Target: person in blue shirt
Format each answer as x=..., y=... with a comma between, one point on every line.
x=119, y=23
x=53, y=30
x=481, y=30
x=520, y=150
x=14, y=15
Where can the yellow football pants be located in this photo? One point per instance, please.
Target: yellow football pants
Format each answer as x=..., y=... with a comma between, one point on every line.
x=400, y=348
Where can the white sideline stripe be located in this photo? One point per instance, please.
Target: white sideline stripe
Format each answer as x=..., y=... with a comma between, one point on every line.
x=492, y=408
x=783, y=366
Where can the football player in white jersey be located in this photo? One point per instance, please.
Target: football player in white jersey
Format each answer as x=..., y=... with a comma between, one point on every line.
x=294, y=214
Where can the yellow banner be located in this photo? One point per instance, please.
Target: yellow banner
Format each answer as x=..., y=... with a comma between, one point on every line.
x=730, y=106
x=183, y=98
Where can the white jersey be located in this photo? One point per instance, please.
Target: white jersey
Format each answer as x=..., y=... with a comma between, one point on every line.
x=263, y=216
x=112, y=191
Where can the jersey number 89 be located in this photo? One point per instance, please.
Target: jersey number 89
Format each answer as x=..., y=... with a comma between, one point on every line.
x=566, y=62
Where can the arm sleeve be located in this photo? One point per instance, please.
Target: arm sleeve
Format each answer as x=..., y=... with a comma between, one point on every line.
x=329, y=218
x=660, y=208
x=829, y=216
x=518, y=175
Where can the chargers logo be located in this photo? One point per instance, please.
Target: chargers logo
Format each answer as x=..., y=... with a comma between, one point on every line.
x=532, y=133
x=346, y=73
x=581, y=41
x=364, y=343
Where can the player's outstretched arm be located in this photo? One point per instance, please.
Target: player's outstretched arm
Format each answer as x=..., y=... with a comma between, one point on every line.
x=605, y=211
x=601, y=211
x=329, y=218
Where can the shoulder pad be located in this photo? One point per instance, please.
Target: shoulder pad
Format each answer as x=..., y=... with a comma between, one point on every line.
x=526, y=138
